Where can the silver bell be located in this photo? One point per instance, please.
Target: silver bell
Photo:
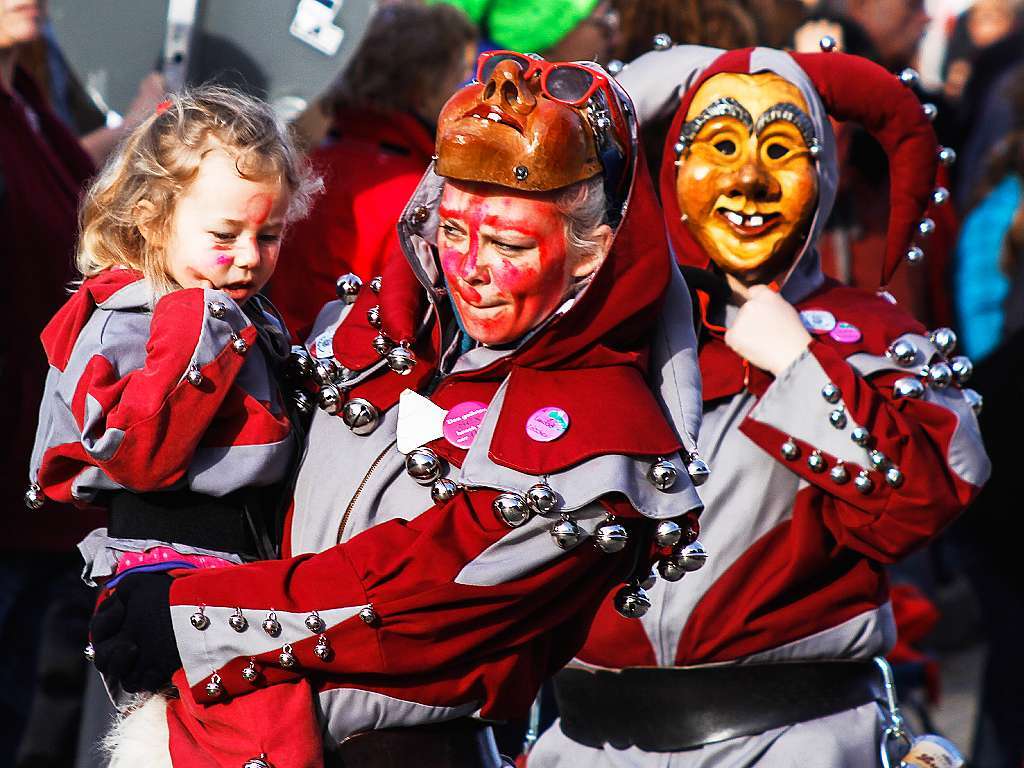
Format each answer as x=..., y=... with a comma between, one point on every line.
x=907, y=387
x=839, y=474
x=90, y=653
x=299, y=362
x=661, y=42
x=194, y=375
x=877, y=459
x=662, y=474
x=368, y=616
x=373, y=316
x=692, y=557
x=443, y=490
x=271, y=625
x=382, y=344
x=237, y=621
x=217, y=309
x=512, y=508
x=860, y=436
x=419, y=215
x=258, y=762
x=909, y=77
x=632, y=601
x=667, y=533
x=817, y=462
x=915, y=255
x=199, y=620
x=329, y=399
x=250, y=674
x=401, y=361
x=325, y=371
x=790, y=450
x=347, y=287
x=926, y=226
x=213, y=688
x=375, y=284
x=831, y=393
x=940, y=375
x=947, y=156
x=975, y=400
x=670, y=570
x=322, y=649
x=423, y=465
x=698, y=470
x=303, y=402
x=650, y=579
x=360, y=416
x=894, y=477
x=827, y=44
x=286, y=658
x=930, y=111
x=903, y=352
x=314, y=623
x=611, y=537
x=542, y=498
x=962, y=369
x=238, y=344
x=566, y=533
x=940, y=196
x=863, y=482
x=837, y=418
x=34, y=497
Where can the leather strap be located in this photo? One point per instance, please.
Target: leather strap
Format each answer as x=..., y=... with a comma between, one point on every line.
x=667, y=709
x=462, y=743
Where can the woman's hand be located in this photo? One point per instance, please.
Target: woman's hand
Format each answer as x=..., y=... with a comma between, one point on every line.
x=767, y=331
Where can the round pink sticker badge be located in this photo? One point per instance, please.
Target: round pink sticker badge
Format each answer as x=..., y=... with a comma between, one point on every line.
x=462, y=423
x=547, y=424
x=846, y=333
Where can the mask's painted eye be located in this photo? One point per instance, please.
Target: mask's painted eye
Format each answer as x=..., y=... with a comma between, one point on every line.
x=726, y=147
x=777, y=151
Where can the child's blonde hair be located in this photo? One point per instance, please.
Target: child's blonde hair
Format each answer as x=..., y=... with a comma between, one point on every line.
x=159, y=160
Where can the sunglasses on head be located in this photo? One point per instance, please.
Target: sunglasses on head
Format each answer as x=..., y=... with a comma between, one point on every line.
x=565, y=82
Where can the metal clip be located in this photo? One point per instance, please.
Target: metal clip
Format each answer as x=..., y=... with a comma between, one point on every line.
x=897, y=729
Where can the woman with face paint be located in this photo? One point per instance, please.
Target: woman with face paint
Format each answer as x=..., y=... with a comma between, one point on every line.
x=506, y=432
x=838, y=429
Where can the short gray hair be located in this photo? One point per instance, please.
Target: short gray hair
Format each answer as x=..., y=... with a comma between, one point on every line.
x=584, y=207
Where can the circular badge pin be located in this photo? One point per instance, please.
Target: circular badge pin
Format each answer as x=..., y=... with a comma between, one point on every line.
x=846, y=333
x=818, y=320
x=547, y=424
x=462, y=422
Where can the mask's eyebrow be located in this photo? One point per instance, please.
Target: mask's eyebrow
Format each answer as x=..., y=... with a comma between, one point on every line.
x=724, y=107
x=791, y=113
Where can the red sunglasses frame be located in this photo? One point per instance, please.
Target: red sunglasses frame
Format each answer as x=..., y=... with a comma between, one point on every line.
x=532, y=65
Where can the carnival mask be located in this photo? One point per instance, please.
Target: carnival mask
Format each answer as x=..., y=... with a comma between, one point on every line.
x=505, y=258
x=747, y=185
x=521, y=125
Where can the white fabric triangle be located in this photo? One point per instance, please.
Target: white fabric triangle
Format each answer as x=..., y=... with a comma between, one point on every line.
x=419, y=421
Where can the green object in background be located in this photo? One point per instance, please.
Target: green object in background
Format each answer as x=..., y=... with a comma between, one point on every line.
x=529, y=26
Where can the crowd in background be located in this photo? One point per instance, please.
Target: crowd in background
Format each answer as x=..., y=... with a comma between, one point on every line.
x=371, y=137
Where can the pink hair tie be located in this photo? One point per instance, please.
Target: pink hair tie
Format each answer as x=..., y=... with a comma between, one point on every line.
x=163, y=106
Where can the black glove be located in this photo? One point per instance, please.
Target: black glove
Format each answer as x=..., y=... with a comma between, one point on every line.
x=133, y=636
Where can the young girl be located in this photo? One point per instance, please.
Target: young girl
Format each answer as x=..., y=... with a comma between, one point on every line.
x=163, y=402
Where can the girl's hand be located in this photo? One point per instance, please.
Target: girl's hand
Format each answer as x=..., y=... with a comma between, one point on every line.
x=767, y=331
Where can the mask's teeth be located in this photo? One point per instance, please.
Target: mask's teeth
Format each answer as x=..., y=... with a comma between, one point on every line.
x=734, y=217
x=755, y=221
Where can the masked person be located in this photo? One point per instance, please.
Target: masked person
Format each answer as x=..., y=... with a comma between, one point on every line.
x=470, y=492
x=837, y=429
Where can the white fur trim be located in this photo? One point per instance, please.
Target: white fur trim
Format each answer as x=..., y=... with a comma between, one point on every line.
x=140, y=736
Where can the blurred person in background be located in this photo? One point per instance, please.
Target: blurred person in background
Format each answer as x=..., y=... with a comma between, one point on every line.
x=43, y=606
x=383, y=112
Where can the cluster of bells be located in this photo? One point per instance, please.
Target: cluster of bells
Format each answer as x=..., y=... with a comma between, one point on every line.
x=271, y=626
x=399, y=356
x=938, y=375
x=35, y=498
x=947, y=156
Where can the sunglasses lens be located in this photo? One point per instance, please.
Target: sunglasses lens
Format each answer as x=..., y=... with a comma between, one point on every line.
x=569, y=84
x=492, y=63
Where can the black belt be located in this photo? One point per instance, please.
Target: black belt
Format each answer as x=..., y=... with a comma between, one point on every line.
x=667, y=709
x=231, y=523
x=461, y=743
